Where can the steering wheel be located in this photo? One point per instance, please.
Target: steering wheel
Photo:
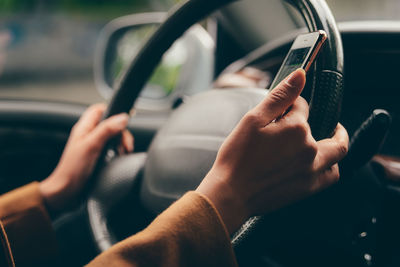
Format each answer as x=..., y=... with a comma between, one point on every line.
x=186, y=146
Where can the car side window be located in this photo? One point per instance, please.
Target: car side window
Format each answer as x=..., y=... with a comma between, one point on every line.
x=47, y=47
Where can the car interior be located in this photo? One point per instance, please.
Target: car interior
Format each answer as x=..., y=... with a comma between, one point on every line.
x=163, y=65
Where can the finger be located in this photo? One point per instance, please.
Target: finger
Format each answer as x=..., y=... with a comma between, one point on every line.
x=298, y=111
x=126, y=145
x=325, y=179
x=281, y=97
x=296, y=189
x=332, y=150
x=108, y=128
x=127, y=141
x=307, y=186
x=89, y=119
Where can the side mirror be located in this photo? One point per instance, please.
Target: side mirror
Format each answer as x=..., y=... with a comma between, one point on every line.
x=187, y=68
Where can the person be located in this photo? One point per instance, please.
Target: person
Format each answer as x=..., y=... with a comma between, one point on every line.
x=267, y=162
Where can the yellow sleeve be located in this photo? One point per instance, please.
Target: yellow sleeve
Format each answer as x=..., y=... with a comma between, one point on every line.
x=189, y=233
x=28, y=226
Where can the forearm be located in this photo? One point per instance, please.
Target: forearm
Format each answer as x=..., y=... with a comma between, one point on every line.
x=189, y=233
x=27, y=225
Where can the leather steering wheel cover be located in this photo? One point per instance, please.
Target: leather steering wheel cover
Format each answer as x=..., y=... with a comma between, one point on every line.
x=327, y=94
x=328, y=88
x=114, y=182
x=326, y=97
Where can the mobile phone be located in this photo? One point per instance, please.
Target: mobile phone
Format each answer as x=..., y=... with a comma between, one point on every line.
x=302, y=54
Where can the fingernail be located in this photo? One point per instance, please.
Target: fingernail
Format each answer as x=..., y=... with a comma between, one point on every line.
x=120, y=119
x=296, y=78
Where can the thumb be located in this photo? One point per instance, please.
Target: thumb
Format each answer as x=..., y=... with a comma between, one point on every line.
x=281, y=97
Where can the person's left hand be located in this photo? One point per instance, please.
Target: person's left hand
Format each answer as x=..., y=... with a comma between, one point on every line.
x=87, y=139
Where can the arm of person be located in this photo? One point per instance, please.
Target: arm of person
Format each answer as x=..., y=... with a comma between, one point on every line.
x=195, y=230
x=189, y=233
x=270, y=160
x=264, y=164
x=24, y=212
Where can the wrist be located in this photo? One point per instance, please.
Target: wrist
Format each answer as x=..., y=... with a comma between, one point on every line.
x=53, y=191
x=228, y=204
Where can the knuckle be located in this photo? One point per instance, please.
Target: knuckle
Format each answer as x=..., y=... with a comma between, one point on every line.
x=251, y=118
x=310, y=150
x=279, y=94
x=313, y=146
x=108, y=129
x=324, y=179
x=103, y=132
x=302, y=101
x=298, y=128
x=330, y=177
x=342, y=149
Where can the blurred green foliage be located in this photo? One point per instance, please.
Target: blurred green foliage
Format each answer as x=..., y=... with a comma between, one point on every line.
x=166, y=77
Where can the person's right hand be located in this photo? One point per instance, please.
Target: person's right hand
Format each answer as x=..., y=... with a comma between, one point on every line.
x=269, y=161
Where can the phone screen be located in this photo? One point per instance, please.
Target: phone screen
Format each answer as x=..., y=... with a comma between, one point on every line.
x=302, y=54
x=294, y=60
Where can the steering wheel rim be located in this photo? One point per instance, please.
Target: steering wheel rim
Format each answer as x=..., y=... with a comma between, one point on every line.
x=325, y=103
x=317, y=16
